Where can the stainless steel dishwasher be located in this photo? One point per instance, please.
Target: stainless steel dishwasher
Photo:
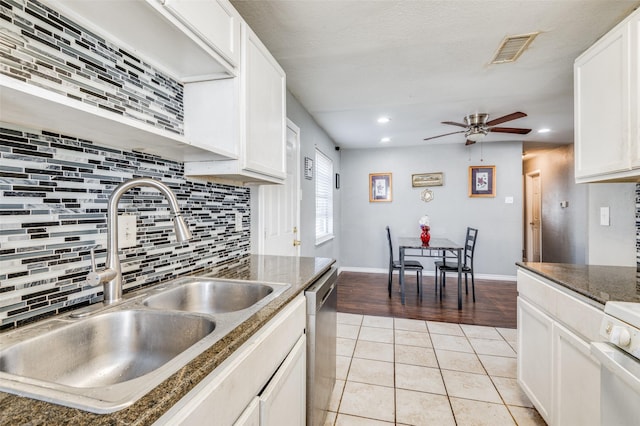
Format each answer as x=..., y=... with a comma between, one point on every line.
x=322, y=301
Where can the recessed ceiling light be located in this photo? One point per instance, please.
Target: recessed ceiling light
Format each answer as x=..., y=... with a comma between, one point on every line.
x=385, y=140
x=384, y=120
x=544, y=130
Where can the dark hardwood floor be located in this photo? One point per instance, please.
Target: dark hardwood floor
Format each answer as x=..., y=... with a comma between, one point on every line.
x=363, y=293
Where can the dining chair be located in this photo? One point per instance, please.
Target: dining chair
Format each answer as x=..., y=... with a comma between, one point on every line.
x=467, y=266
x=409, y=265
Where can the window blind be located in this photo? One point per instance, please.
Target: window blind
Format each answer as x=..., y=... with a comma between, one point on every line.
x=324, y=198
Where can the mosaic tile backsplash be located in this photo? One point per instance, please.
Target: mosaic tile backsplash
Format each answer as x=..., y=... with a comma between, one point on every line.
x=41, y=47
x=53, y=208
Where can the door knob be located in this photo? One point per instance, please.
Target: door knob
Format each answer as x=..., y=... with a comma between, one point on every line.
x=296, y=243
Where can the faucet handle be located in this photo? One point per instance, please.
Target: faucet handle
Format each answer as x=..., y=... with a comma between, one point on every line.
x=95, y=277
x=93, y=258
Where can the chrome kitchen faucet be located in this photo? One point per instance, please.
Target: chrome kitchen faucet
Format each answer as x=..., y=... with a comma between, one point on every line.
x=111, y=276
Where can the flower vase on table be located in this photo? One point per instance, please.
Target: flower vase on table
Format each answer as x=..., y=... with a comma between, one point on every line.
x=425, y=236
x=424, y=225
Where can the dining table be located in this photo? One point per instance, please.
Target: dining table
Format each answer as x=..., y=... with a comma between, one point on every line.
x=442, y=248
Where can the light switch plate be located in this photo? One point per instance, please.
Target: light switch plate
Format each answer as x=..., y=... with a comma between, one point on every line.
x=238, y=221
x=127, y=231
x=508, y=200
x=604, y=216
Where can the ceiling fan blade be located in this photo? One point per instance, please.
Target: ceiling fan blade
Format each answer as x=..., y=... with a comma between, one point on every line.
x=469, y=142
x=446, y=134
x=453, y=123
x=510, y=130
x=508, y=117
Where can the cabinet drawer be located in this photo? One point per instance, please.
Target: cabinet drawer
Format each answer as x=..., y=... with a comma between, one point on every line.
x=578, y=316
x=534, y=290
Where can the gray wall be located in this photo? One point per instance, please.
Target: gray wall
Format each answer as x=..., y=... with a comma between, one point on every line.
x=564, y=230
x=364, y=245
x=312, y=136
x=614, y=244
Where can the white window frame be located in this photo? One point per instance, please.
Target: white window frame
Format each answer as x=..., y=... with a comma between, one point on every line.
x=324, y=198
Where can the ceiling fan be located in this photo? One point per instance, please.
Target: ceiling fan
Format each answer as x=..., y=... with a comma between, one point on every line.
x=478, y=125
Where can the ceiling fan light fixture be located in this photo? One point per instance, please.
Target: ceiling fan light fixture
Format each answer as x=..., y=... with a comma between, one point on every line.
x=476, y=134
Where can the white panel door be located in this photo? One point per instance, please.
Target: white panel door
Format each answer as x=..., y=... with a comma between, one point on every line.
x=280, y=205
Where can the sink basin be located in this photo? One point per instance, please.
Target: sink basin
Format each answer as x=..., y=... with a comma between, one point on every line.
x=107, y=349
x=104, y=359
x=210, y=296
x=89, y=357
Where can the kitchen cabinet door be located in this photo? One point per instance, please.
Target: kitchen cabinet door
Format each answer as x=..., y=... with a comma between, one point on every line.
x=577, y=380
x=634, y=116
x=602, y=116
x=263, y=91
x=215, y=21
x=251, y=415
x=283, y=401
x=535, y=357
x=249, y=129
x=607, y=106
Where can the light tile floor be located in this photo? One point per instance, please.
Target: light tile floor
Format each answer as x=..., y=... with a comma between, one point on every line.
x=409, y=372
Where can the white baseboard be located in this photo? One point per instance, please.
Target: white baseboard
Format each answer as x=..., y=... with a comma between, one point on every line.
x=490, y=277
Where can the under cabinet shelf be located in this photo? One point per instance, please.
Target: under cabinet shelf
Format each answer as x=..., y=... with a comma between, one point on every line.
x=31, y=106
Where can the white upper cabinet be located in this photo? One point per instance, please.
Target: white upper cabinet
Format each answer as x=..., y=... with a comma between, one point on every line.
x=184, y=79
x=257, y=121
x=129, y=106
x=155, y=33
x=606, y=107
x=216, y=21
x=263, y=91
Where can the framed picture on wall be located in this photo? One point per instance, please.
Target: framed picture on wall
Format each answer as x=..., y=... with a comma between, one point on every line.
x=308, y=168
x=427, y=179
x=379, y=187
x=482, y=181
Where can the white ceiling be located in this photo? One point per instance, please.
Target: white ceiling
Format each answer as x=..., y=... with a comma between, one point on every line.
x=425, y=61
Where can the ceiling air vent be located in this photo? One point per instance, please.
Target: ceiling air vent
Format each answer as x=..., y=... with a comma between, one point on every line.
x=512, y=47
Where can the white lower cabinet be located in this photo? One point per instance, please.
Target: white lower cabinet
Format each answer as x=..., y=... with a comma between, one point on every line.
x=576, y=380
x=535, y=356
x=555, y=366
x=251, y=415
x=262, y=383
x=283, y=402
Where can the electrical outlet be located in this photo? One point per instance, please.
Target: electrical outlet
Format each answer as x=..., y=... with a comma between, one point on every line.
x=127, y=231
x=238, y=221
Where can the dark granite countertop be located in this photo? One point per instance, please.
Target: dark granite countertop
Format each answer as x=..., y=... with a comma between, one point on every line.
x=597, y=282
x=300, y=272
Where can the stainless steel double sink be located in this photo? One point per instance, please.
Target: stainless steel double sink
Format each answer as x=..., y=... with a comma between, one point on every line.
x=105, y=358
